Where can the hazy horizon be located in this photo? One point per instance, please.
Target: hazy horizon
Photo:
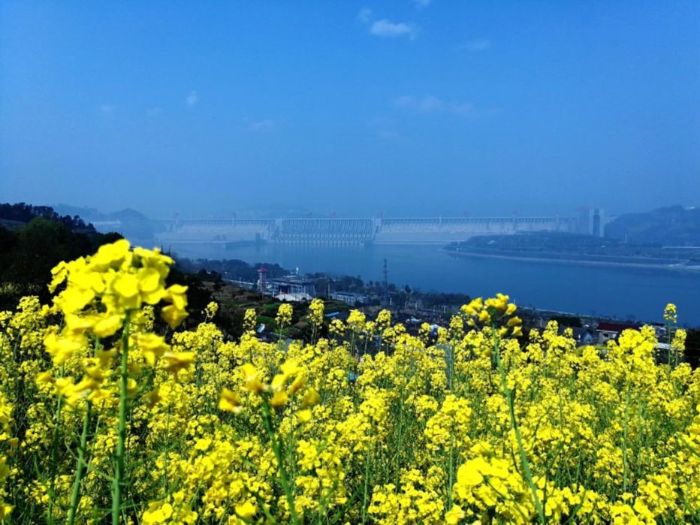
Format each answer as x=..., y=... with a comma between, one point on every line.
x=356, y=108
x=281, y=211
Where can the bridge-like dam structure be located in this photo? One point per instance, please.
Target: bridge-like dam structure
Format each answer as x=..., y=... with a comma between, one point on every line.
x=356, y=231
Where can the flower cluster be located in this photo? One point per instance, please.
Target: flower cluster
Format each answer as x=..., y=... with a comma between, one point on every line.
x=104, y=293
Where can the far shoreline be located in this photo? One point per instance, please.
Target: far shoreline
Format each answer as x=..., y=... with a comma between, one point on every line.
x=578, y=262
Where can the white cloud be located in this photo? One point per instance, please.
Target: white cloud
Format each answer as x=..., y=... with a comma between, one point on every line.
x=432, y=104
x=262, y=125
x=387, y=28
x=424, y=104
x=420, y=4
x=192, y=98
x=479, y=44
x=106, y=109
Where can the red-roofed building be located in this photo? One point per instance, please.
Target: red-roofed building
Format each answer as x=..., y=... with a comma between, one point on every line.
x=608, y=331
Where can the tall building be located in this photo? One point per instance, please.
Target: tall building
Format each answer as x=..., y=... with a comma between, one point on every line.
x=592, y=221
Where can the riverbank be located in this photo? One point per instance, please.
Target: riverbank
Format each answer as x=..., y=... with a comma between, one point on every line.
x=582, y=260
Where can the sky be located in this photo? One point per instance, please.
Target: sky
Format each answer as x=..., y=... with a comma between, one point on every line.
x=402, y=107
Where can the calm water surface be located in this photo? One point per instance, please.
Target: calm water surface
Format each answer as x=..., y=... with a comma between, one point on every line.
x=619, y=292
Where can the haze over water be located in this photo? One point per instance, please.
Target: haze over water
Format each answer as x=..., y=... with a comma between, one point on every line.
x=629, y=293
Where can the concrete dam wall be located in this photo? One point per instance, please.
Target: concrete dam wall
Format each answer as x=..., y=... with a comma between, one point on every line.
x=351, y=231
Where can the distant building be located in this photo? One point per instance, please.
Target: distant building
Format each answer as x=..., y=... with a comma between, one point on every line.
x=294, y=297
x=291, y=285
x=660, y=330
x=608, y=331
x=107, y=226
x=592, y=221
x=350, y=298
x=585, y=336
x=262, y=279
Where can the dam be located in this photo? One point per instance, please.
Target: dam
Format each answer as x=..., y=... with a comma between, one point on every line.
x=352, y=231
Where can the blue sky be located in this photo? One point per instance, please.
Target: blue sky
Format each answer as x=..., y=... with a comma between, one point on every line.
x=401, y=107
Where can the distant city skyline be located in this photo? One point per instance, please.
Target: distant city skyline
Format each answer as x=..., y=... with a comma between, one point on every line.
x=394, y=106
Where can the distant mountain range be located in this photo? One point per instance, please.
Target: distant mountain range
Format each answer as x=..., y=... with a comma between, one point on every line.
x=670, y=226
x=132, y=224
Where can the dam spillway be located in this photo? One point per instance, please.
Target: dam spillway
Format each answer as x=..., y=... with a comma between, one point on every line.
x=351, y=231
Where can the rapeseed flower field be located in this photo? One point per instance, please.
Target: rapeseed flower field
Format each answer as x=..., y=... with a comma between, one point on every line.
x=104, y=419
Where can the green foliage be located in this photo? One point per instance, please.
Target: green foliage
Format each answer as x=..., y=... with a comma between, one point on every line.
x=28, y=254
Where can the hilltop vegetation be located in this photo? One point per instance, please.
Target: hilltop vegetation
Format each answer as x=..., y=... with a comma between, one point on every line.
x=33, y=239
x=17, y=215
x=674, y=225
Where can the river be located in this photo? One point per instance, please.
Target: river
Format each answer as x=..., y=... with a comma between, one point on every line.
x=622, y=292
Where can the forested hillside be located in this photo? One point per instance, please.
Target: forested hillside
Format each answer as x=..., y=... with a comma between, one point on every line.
x=674, y=225
x=33, y=239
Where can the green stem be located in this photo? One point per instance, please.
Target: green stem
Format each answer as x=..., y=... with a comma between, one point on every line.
x=119, y=479
x=525, y=464
x=80, y=467
x=365, y=488
x=166, y=473
x=451, y=472
x=524, y=461
x=450, y=366
x=54, y=460
x=625, y=466
x=399, y=446
x=284, y=479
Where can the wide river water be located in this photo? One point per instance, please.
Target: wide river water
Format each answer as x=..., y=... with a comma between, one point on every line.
x=623, y=292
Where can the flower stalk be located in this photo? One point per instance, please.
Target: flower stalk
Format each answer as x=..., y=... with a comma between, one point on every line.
x=119, y=481
x=81, y=466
